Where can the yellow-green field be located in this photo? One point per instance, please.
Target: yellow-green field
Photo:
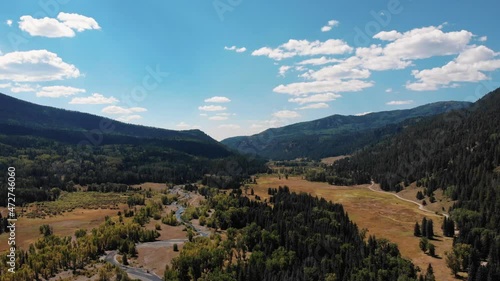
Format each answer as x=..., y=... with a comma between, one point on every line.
x=384, y=215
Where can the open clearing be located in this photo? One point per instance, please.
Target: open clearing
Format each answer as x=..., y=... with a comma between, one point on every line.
x=384, y=215
x=27, y=229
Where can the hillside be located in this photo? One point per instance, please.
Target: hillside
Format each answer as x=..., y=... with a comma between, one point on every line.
x=458, y=152
x=51, y=148
x=333, y=135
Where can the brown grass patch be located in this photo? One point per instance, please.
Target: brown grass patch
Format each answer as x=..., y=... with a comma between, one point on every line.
x=384, y=215
x=331, y=160
x=27, y=229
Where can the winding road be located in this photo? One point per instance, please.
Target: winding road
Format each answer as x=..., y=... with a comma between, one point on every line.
x=145, y=275
x=420, y=206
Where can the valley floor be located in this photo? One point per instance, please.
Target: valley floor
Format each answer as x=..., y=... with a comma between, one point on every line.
x=383, y=214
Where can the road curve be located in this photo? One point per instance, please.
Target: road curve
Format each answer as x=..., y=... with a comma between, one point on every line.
x=420, y=206
x=137, y=273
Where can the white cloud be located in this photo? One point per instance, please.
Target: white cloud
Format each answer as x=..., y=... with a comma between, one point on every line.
x=23, y=88
x=363, y=113
x=468, y=66
x=304, y=48
x=483, y=38
x=388, y=35
x=212, y=108
x=35, y=66
x=129, y=118
x=218, y=118
x=348, y=69
x=230, y=126
x=426, y=42
x=203, y=114
x=389, y=90
x=400, y=102
x=330, y=25
x=326, y=97
x=64, y=26
x=5, y=85
x=94, y=99
x=114, y=109
x=236, y=49
x=218, y=99
x=315, y=106
x=318, y=61
x=8, y=22
x=286, y=114
x=46, y=27
x=186, y=126
x=58, y=91
x=302, y=88
x=283, y=69
x=78, y=22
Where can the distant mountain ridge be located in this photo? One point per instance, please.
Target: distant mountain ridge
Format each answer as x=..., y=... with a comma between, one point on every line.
x=17, y=112
x=334, y=135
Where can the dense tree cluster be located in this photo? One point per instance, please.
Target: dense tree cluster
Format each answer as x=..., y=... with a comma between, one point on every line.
x=44, y=164
x=299, y=238
x=51, y=254
x=458, y=152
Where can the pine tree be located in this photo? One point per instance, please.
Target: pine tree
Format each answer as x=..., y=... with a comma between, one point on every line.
x=429, y=275
x=429, y=230
x=417, y=231
x=424, y=227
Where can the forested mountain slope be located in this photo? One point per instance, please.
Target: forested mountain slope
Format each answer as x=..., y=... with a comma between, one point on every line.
x=458, y=152
x=55, y=148
x=333, y=135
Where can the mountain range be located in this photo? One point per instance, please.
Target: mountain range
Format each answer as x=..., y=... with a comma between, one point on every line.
x=334, y=135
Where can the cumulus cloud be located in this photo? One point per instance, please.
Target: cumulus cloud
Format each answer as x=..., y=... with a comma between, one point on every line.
x=63, y=26
x=319, y=61
x=58, y=91
x=330, y=25
x=283, y=69
x=388, y=90
x=212, y=108
x=23, y=88
x=236, y=49
x=78, y=22
x=483, y=38
x=468, y=66
x=218, y=118
x=118, y=110
x=348, y=69
x=326, y=97
x=302, y=88
x=304, y=48
x=400, y=102
x=315, y=106
x=94, y=99
x=186, y=126
x=35, y=66
x=286, y=114
x=218, y=99
x=8, y=22
x=426, y=42
x=363, y=113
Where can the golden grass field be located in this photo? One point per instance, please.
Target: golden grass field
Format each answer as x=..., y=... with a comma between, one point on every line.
x=384, y=215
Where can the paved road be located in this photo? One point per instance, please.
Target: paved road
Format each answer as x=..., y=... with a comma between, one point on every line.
x=178, y=216
x=143, y=274
x=137, y=273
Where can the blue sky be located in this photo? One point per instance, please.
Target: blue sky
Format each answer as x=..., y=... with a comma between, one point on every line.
x=237, y=67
